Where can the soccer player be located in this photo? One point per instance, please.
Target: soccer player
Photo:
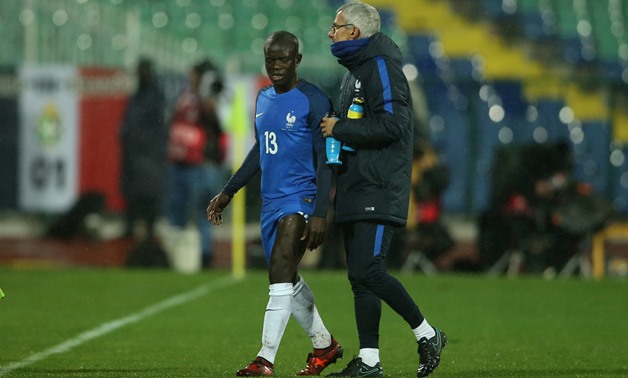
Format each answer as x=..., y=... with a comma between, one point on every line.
x=373, y=184
x=295, y=186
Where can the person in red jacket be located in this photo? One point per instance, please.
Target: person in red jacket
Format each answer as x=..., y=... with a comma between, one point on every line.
x=195, y=170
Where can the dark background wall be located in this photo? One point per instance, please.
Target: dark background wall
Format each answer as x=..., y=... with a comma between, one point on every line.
x=8, y=139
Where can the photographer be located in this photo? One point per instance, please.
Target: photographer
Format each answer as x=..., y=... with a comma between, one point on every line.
x=538, y=208
x=427, y=234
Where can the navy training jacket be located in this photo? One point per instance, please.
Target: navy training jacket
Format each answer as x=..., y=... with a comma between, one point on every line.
x=374, y=182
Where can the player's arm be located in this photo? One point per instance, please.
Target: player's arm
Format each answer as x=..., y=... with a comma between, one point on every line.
x=323, y=176
x=315, y=232
x=248, y=169
x=317, y=227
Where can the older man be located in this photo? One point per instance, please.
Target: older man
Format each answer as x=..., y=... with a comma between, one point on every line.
x=373, y=184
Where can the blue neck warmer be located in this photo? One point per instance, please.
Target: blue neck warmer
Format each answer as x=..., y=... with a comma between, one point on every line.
x=345, y=49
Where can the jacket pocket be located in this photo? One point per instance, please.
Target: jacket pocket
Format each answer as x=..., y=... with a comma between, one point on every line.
x=372, y=165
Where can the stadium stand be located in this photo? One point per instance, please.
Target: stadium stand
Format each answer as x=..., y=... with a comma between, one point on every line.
x=496, y=72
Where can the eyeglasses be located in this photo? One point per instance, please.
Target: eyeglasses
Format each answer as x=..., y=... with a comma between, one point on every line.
x=334, y=28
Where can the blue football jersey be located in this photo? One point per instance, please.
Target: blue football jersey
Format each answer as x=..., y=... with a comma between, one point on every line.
x=287, y=128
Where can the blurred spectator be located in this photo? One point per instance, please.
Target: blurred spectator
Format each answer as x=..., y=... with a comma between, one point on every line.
x=426, y=236
x=432, y=178
x=424, y=233
x=143, y=138
x=537, y=208
x=196, y=155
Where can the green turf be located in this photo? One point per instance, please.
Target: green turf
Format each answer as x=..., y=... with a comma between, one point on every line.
x=524, y=327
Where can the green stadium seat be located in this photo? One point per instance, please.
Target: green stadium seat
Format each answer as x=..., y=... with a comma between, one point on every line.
x=607, y=43
x=567, y=19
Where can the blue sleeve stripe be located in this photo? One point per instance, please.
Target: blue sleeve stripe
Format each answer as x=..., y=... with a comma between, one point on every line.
x=383, y=74
x=377, y=248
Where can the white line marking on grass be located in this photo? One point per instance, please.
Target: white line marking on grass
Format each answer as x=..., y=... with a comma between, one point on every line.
x=113, y=325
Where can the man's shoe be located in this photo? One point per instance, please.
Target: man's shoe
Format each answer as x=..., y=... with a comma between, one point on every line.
x=319, y=359
x=429, y=353
x=357, y=368
x=257, y=368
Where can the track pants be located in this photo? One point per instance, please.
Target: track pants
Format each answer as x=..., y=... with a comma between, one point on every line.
x=367, y=244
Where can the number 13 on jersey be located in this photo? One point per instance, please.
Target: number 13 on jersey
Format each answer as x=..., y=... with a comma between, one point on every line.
x=270, y=141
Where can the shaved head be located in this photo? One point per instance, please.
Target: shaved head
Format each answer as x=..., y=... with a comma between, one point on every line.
x=284, y=39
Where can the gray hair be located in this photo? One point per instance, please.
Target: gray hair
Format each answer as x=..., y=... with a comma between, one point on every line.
x=362, y=15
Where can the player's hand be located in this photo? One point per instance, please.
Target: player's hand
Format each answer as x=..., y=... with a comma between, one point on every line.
x=216, y=206
x=314, y=232
x=327, y=126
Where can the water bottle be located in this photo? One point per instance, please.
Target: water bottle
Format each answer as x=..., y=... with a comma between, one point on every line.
x=332, y=146
x=356, y=111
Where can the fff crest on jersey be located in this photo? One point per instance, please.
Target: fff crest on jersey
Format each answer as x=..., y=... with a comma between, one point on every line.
x=290, y=119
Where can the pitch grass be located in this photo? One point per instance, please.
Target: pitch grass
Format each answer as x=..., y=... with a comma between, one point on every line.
x=497, y=327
